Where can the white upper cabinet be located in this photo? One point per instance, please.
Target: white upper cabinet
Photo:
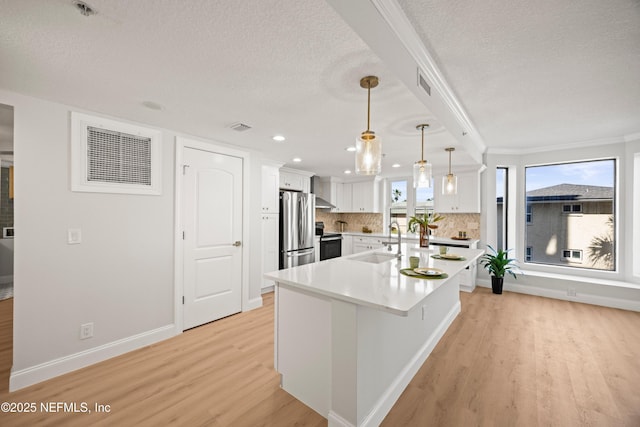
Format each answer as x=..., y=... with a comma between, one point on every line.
x=295, y=180
x=466, y=201
x=364, y=197
x=270, y=185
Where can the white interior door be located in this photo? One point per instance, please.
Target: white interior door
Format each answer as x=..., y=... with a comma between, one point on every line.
x=212, y=220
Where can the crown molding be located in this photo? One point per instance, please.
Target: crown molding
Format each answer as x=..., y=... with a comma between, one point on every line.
x=395, y=17
x=632, y=137
x=558, y=147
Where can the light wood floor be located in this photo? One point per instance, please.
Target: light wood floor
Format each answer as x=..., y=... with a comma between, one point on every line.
x=509, y=360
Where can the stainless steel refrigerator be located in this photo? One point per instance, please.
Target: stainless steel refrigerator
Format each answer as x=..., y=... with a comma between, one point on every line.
x=297, y=228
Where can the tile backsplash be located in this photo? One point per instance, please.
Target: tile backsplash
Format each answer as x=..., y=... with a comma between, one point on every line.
x=448, y=227
x=453, y=223
x=355, y=221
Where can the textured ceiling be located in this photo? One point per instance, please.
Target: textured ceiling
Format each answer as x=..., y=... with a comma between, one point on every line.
x=286, y=67
x=529, y=74
x=540, y=72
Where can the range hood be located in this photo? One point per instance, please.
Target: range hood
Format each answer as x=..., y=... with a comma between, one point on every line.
x=320, y=202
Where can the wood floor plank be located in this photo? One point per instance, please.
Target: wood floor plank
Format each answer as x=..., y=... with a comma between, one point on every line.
x=507, y=360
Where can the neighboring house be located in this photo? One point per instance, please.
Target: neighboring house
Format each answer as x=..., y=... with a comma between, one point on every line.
x=569, y=224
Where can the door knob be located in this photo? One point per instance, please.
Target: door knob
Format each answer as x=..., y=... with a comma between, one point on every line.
x=237, y=243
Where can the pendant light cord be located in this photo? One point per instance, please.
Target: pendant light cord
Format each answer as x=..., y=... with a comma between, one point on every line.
x=422, y=152
x=368, y=104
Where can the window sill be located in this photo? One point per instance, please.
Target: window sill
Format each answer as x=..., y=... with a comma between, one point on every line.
x=584, y=279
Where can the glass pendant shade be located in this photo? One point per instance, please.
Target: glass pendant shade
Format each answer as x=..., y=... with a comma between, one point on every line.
x=422, y=168
x=368, y=155
x=449, y=181
x=422, y=174
x=450, y=184
x=368, y=146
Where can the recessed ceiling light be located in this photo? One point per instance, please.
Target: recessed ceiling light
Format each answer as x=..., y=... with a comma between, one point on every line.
x=395, y=165
x=347, y=172
x=350, y=149
x=278, y=138
x=297, y=159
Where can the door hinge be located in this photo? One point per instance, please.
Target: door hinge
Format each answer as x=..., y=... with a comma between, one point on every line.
x=183, y=235
x=184, y=169
x=182, y=299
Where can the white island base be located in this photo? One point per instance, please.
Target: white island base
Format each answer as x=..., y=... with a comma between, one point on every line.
x=351, y=363
x=350, y=335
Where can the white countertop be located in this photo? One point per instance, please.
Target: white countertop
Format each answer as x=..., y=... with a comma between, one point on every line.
x=434, y=239
x=379, y=286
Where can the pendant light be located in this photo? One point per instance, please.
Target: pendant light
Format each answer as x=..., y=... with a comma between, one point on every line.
x=450, y=181
x=368, y=146
x=422, y=168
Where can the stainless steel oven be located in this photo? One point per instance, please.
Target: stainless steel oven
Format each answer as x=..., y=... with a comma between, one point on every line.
x=330, y=246
x=330, y=243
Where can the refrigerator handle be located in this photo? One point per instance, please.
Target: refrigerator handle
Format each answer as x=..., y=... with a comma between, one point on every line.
x=299, y=253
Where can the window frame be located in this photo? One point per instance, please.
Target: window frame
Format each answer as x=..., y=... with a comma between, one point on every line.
x=615, y=213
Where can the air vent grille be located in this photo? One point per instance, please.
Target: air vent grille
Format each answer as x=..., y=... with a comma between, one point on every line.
x=240, y=127
x=108, y=156
x=118, y=157
x=423, y=83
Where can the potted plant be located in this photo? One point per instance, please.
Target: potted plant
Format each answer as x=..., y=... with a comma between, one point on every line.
x=497, y=264
x=425, y=222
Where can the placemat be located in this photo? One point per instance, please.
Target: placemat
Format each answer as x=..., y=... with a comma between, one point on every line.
x=447, y=259
x=409, y=272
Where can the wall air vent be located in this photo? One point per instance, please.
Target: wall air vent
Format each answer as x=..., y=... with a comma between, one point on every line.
x=114, y=157
x=240, y=127
x=422, y=82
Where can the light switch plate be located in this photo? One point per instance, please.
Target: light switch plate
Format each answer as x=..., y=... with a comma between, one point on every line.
x=74, y=236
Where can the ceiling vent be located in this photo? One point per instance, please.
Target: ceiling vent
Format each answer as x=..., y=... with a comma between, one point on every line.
x=240, y=127
x=422, y=82
x=113, y=157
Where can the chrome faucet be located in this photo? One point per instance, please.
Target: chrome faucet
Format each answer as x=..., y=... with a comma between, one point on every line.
x=399, y=253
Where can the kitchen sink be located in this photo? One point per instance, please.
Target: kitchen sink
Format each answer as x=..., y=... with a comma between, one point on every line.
x=375, y=258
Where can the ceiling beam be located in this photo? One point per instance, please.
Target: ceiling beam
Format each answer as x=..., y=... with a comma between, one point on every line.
x=384, y=27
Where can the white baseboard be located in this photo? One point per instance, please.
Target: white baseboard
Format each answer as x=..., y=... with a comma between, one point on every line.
x=562, y=295
x=335, y=420
x=253, y=304
x=44, y=371
x=392, y=394
x=267, y=289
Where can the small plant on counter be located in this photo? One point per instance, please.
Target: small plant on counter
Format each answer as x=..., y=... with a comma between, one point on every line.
x=424, y=222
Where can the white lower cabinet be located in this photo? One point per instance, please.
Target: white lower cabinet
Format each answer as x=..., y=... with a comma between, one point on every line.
x=347, y=245
x=467, y=277
x=362, y=244
x=270, y=224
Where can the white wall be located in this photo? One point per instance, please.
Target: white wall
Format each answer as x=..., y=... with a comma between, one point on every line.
x=121, y=277
x=616, y=289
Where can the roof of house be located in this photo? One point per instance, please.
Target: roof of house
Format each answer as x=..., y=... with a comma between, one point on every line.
x=571, y=192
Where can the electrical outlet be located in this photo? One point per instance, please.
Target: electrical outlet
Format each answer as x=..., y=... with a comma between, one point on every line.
x=74, y=236
x=86, y=331
x=571, y=292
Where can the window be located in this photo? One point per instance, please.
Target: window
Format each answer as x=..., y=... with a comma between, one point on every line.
x=558, y=191
x=424, y=200
x=571, y=208
x=572, y=255
x=502, y=180
x=398, y=208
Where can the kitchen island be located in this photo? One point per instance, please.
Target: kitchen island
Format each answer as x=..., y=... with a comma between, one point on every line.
x=351, y=332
